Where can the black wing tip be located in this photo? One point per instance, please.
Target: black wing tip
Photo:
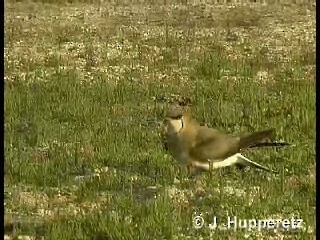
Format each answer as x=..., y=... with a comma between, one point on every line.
x=270, y=144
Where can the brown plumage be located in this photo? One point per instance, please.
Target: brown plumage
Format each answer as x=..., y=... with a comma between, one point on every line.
x=197, y=145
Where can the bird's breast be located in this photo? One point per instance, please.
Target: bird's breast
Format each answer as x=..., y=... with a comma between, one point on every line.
x=183, y=157
x=177, y=148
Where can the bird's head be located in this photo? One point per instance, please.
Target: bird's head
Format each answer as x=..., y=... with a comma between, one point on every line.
x=177, y=117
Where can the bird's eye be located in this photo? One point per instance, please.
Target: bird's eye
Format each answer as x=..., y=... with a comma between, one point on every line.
x=177, y=117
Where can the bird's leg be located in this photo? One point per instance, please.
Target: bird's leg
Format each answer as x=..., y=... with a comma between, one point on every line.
x=190, y=169
x=194, y=168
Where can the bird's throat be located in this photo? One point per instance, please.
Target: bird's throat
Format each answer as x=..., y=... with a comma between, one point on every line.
x=176, y=125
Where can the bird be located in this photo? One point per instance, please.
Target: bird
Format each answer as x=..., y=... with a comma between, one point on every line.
x=201, y=147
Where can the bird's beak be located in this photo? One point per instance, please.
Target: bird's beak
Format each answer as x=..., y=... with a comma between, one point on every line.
x=167, y=119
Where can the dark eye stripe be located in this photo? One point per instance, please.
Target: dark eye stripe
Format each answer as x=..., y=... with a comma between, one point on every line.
x=177, y=117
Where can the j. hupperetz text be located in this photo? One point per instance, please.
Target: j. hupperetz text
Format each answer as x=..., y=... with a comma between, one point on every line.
x=235, y=223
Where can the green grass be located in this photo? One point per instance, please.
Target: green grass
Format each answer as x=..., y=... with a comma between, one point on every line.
x=81, y=96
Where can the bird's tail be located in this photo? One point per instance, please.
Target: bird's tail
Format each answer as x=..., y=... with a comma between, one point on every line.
x=269, y=144
x=256, y=138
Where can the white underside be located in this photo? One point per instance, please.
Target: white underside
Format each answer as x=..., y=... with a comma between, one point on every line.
x=234, y=159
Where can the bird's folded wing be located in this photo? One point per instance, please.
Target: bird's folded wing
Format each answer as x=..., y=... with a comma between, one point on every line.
x=213, y=145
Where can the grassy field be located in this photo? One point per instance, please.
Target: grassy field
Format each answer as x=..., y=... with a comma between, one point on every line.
x=86, y=86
